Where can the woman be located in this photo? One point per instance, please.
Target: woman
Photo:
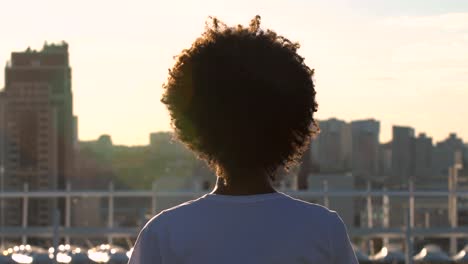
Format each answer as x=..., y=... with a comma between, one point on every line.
x=243, y=100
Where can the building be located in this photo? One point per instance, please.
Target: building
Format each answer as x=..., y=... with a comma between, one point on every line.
x=385, y=159
x=75, y=134
x=331, y=150
x=465, y=156
x=37, y=125
x=402, y=154
x=423, y=149
x=444, y=154
x=365, y=150
x=93, y=171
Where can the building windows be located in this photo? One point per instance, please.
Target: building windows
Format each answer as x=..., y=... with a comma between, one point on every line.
x=28, y=138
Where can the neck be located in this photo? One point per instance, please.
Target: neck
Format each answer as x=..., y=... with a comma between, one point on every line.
x=243, y=185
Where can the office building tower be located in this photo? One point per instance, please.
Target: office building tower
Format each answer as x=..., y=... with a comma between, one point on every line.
x=465, y=156
x=385, y=159
x=423, y=149
x=37, y=125
x=75, y=134
x=365, y=148
x=331, y=150
x=444, y=154
x=402, y=154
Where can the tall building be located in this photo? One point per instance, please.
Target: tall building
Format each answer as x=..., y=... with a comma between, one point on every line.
x=465, y=156
x=365, y=149
x=444, y=154
x=423, y=149
x=37, y=125
x=75, y=133
x=331, y=150
x=385, y=159
x=402, y=154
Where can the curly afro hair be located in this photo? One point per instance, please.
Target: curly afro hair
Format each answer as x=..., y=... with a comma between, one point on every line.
x=242, y=99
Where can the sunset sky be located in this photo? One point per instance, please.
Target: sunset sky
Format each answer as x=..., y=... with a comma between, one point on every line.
x=399, y=61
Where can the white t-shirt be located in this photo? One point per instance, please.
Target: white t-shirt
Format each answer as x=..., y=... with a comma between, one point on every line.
x=256, y=229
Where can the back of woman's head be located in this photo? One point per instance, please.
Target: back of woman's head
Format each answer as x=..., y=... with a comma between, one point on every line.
x=242, y=99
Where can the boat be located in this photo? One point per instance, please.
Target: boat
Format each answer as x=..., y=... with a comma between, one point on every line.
x=462, y=256
x=389, y=255
x=432, y=254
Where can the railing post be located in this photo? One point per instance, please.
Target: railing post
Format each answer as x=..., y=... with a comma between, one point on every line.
x=370, y=223
x=452, y=206
x=110, y=217
x=2, y=206
x=409, y=244
x=386, y=214
x=153, y=199
x=55, y=232
x=326, y=201
x=294, y=183
x=24, y=238
x=282, y=185
x=411, y=203
x=410, y=224
x=427, y=221
x=68, y=211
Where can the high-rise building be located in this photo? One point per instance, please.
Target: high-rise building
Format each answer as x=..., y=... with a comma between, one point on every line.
x=402, y=154
x=75, y=133
x=444, y=154
x=37, y=125
x=465, y=156
x=331, y=150
x=365, y=149
x=385, y=159
x=423, y=149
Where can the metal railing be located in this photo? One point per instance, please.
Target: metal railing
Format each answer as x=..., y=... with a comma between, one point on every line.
x=407, y=232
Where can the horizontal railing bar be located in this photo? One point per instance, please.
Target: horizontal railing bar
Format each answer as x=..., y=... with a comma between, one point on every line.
x=133, y=231
x=188, y=194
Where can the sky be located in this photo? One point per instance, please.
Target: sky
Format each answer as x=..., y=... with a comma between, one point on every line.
x=401, y=62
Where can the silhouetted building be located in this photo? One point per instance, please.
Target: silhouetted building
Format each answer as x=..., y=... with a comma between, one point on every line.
x=75, y=133
x=331, y=150
x=465, y=156
x=2, y=135
x=385, y=159
x=94, y=171
x=93, y=161
x=444, y=154
x=37, y=142
x=423, y=149
x=365, y=149
x=402, y=154
x=306, y=168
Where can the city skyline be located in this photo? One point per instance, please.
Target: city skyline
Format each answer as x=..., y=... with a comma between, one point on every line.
x=417, y=133
x=401, y=63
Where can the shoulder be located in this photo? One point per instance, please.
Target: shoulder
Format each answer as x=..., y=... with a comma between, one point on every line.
x=314, y=214
x=172, y=215
x=309, y=208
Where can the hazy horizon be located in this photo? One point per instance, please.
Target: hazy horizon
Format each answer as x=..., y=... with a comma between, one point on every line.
x=400, y=63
